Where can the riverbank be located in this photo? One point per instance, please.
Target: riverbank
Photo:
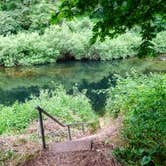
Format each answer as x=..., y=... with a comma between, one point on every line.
x=150, y=88
x=69, y=41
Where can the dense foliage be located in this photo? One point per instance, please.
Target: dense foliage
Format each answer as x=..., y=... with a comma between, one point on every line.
x=25, y=15
x=69, y=39
x=140, y=100
x=28, y=38
x=68, y=108
x=116, y=16
x=8, y=23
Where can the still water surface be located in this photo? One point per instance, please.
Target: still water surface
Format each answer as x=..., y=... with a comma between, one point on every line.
x=20, y=83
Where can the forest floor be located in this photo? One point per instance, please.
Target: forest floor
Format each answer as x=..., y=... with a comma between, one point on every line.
x=27, y=150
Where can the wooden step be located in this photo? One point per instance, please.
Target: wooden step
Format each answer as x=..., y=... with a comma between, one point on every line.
x=71, y=146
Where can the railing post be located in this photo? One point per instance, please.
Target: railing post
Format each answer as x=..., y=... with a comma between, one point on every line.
x=83, y=128
x=69, y=132
x=40, y=112
x=42, y=129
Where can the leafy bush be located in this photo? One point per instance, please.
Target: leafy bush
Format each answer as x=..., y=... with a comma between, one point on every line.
x=159, y=42
x=141, y=102
x=31, y=15
x=121, y=47
x=8, y=24
x=26, y=49
x=40, y=14
x=66, y=107
x=10, y=5
x=70, y=38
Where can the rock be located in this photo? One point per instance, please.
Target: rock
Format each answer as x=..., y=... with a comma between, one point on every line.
x=162, y=58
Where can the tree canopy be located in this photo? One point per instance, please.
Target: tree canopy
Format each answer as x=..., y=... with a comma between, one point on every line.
x=117, y=16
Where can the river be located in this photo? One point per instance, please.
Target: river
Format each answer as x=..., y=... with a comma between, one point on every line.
x=19, y=83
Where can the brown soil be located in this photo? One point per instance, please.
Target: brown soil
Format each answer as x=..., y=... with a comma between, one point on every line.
x=28, y=151
x=99, y=155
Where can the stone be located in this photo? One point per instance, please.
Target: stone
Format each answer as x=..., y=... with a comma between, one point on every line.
x=72, y=146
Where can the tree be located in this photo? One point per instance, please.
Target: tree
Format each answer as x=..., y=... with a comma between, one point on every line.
x=115, y=17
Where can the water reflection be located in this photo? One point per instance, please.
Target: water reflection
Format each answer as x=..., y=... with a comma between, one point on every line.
x=20, y=82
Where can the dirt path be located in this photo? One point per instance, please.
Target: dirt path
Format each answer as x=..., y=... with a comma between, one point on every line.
x=98, y=155
x=95, y=157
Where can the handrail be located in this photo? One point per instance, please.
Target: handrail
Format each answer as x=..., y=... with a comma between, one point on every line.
x=78, y=123
x=54, y=119
x=40, y=111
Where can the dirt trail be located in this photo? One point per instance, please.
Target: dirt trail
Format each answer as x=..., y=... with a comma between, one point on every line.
x=99, y=153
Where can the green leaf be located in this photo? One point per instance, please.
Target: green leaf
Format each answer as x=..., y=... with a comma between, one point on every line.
x=145, y=160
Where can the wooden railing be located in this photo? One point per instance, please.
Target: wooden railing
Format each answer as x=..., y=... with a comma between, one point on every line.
x=41, y=111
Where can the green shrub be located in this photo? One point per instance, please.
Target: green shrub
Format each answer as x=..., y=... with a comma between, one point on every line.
x=120, y=47
x=140, y=100
x=25, y=18
x=26, y=49
x=10, y=5
x=67, y=108
x=69, y=38
x=40, y=15
x=159, y=42
x=31, y=15
x=8, y=24
x=67, y=41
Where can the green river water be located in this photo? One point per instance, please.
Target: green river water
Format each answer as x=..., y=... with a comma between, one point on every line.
x=19, y=83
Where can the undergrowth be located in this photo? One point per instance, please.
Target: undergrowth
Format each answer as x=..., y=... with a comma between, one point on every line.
x=140, y=100
x=67, y=108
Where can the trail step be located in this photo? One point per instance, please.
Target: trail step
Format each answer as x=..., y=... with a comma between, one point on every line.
x=71, y=146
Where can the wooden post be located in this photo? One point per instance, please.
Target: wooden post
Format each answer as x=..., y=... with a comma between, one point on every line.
x=69, y=132
x=42, y=129
x=83, y=128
